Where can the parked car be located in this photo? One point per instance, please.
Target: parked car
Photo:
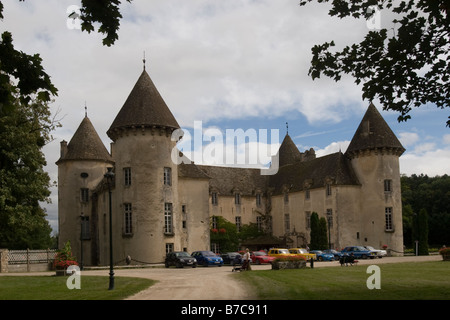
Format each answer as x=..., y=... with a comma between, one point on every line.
x=303, y=252
x=336, y=253
x=322, y=256
x=260, y=257
x=380, y=253
x=180, y=259
x=207, y=258
x=359, y=252
x=233, y=258
x=278, y=252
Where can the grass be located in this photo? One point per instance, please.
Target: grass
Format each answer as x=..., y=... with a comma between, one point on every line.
x=55, y=288
x=402, y=281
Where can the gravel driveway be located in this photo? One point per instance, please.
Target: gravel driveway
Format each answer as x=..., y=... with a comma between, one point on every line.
x=215, y=283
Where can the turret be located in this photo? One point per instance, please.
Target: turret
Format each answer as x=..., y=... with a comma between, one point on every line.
x=374, y=152
x=80, y=168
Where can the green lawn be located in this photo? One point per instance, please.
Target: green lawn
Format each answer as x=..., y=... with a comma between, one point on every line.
x=423, y=280
x=55, y=288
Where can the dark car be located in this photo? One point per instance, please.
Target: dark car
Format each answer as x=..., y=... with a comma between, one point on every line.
x=207, y=258
x=232, y=258
x=180, y=259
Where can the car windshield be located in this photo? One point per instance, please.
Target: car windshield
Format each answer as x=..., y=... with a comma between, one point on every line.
x=259, y=253
x=303, y=251
x=182, y=254
x=208, y=254
x=283, y=251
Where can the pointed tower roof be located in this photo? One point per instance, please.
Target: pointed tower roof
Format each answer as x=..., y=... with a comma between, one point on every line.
x=86, y=145
x=144, y=107
x=288, y=152
x=374, y=133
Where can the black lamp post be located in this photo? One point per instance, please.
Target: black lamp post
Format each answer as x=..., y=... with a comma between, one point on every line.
x=109, y=177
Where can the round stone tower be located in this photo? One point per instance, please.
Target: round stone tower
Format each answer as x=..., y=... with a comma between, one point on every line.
x=146, y=214
x=81, y=167
x=374, y=152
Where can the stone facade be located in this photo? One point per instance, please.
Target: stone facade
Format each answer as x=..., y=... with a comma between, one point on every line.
x=160, y=206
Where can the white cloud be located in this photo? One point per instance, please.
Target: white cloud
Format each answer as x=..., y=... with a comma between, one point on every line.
x=408, y=138
x=430, y=162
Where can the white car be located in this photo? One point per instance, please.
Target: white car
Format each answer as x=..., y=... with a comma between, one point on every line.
x=380, y=253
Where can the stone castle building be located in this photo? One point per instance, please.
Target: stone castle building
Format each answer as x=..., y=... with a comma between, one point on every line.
x=159, y=206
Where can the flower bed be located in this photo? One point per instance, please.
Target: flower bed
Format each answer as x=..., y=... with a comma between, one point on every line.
x=289, y=262
x=445, y=253
x=63, y=260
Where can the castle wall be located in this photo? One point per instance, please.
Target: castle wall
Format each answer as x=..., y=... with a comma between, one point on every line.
x=194, y=227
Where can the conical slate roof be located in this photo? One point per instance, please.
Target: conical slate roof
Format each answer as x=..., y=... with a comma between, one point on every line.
x=144, y=107
x=86, y=145
x=374, y=133
x=288, y=152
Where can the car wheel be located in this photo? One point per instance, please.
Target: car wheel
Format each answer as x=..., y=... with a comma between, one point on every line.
x=320, y=258
x=364, y=256
x=166, y=265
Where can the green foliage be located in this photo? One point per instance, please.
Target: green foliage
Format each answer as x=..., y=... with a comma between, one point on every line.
x=24, y=130
x=433, y=195
x=404, y=67
x=225, y=234
x=106, y=13
x=319, y=238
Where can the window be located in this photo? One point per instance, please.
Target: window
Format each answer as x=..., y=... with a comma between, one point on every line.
x=330, y=217
x=214, y=222
x=84, y=195
x=287, y=223
x=258, y=199
x=168, y=227
x=388, y=219
x=128, y=216
x=308, y=219
x=184, y=215
x=169, y=248
x=214, y=199
x=85, y=228
x=286, y=197
x=328, y=189
x=238, y=223
x=168, y=176
x=237, y=198
x=387, y=186
x=259, y=223
x=127, y=176
x=307, y=194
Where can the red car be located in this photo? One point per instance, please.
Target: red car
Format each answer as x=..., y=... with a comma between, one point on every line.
x=260, y=257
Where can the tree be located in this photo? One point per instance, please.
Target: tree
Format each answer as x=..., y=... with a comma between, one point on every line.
x=406, y=67
x=315, y=231
x=323, y=243
x=420, y=232
x=24, y=130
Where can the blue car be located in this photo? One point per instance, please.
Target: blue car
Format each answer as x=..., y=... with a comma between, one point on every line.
x=359, y=252
x=337, y=254
x=207, y=258
x=322, y=256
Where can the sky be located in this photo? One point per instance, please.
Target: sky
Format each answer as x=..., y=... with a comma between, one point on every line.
x=235, y=64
